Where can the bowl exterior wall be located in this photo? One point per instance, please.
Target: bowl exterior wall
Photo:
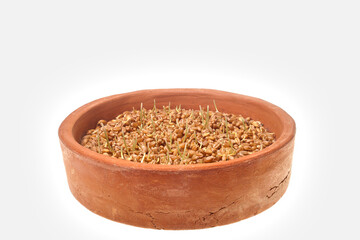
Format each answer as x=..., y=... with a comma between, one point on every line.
x=179, y=199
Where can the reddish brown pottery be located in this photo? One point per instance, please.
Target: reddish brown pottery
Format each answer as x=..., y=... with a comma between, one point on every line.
x=172, y=196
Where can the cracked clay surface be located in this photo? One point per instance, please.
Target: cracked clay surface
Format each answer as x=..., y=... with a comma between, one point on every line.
x=276, y=188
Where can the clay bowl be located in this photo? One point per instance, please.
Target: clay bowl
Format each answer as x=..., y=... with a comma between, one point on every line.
x=172, y=196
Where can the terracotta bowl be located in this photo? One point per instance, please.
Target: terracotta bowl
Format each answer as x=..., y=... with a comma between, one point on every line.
x=171, y=196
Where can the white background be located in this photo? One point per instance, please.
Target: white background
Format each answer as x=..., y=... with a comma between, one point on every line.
x=300, y=55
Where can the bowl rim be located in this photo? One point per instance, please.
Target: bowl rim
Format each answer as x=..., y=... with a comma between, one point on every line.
x=65, y=133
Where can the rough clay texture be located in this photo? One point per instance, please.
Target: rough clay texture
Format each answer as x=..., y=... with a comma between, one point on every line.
x=178, y=197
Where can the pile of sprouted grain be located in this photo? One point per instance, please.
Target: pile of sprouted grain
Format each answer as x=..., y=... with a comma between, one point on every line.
x=177, y=136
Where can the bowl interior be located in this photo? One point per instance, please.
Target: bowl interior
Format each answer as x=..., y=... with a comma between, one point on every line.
x=108, y=108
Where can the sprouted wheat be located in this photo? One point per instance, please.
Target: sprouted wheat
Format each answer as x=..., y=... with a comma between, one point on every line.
x=178, y=136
